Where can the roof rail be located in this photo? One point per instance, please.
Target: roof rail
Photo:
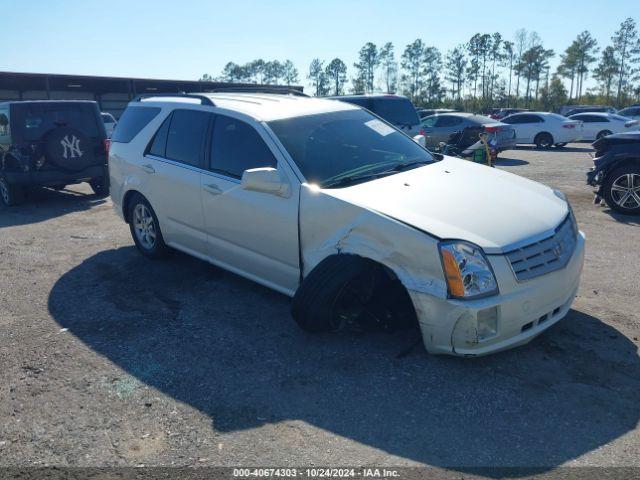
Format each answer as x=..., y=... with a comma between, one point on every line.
x=204, y=100
x=260, y=89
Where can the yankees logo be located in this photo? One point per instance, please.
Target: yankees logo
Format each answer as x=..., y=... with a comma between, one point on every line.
x=71, y=147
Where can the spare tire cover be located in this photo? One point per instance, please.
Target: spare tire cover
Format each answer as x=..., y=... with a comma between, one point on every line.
x=68, y=149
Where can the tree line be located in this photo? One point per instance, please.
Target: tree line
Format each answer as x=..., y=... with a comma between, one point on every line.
x=487, y=71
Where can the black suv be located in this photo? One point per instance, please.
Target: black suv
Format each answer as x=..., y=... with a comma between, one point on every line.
x=51, y=143
x=395, y=109
x=616, y=172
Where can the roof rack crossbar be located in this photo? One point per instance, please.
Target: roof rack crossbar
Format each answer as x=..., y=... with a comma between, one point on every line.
x=260, y=89
x=204, y=100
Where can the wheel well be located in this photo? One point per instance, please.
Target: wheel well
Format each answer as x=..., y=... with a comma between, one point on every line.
x=125, y=203
x=391, y=294
x=621, y=163
x=543, y=133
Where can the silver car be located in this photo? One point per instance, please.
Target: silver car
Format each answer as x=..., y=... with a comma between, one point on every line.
x=440, y=128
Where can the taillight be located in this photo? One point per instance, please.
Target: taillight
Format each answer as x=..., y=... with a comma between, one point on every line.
x=107, y=145
x=491, y=129
x=568, y=125
x=422, y=132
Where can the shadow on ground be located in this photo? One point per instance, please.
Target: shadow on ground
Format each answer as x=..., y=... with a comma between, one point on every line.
x=509, y=162
x=229, y=348
x=573, y=148
x=42, y=204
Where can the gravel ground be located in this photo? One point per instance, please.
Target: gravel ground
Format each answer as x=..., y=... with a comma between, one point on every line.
x=109, y=359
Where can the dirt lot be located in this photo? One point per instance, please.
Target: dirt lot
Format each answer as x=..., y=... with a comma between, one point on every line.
x=107, y=358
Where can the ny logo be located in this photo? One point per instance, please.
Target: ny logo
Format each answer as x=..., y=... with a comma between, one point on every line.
x=71, y=147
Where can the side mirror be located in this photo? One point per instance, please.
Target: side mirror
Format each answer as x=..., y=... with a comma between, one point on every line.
x=420, y=139
x=265, y=180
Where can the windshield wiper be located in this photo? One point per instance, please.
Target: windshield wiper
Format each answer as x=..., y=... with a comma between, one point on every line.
x=352, y=179
x=401, y=166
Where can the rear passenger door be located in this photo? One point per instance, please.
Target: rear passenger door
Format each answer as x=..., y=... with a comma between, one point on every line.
x=172, y=165
x=446, y=125
x=252, y=233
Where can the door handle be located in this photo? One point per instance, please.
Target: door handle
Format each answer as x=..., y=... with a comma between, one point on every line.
x=213, y=189
x=148, y=168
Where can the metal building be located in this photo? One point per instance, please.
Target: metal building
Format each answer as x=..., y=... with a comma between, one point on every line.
x=111, y=93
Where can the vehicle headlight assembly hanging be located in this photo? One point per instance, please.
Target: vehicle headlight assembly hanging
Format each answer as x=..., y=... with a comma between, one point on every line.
x=467, y=270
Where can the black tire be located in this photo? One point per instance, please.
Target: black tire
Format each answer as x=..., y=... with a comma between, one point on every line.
x=152, y=249
x=603, y=133
x=613, y=186
x=100, y=186
x=543, y=140
x=10, y=195
x=561, y=145
x=348, y=289
x=68, y=149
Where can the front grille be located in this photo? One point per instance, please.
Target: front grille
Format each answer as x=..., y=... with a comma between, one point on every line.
x=548, y=255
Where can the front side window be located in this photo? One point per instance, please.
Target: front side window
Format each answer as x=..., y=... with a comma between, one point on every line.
x=236, y=146
x=186, y=135
x=5, y=130
x=352, y=144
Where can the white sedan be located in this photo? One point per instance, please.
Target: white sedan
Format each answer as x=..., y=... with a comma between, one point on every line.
x=597, y=125
x=544, y=129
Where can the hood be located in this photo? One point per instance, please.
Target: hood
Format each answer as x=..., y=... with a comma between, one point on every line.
x=458, y=199
x=617, y=139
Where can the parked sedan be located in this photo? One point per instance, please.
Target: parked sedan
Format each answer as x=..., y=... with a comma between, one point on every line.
x=544, y=129
x=632, y=112
x=597, y=125
x=440, y=128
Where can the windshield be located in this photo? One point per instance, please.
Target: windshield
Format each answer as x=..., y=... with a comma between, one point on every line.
x=331, y=146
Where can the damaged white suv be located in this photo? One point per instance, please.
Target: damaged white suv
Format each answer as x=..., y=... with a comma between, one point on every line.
x=327, y=203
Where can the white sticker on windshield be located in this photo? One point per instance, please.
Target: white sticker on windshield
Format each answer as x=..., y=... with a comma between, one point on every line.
x=380, y=127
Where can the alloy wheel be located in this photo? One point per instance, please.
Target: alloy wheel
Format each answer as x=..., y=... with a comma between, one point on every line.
x=625, y=191
x=144, y=226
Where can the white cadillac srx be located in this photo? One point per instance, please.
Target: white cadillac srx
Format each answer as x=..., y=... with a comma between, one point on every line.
x=329, y=204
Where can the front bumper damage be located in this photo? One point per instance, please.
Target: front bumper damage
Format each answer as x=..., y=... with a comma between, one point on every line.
x=523, y=310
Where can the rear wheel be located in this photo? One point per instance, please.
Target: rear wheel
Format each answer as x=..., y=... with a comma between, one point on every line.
x=543, y=140
x=603, y=133
x=10, y=194
x=145, y=228
x=622, y=189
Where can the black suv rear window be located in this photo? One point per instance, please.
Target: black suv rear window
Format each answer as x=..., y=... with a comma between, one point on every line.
x=132, y=121
x=31, y=121
x=398, y=111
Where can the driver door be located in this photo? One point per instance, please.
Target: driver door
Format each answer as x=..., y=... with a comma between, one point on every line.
x=254, y=234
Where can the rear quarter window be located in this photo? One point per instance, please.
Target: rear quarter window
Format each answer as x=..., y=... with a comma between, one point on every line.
x=132, y=121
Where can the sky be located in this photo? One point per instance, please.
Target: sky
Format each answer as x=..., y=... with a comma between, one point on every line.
x=187, y=38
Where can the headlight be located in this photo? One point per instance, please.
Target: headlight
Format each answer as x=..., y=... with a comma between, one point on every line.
x=572, y=215
x=467, y=270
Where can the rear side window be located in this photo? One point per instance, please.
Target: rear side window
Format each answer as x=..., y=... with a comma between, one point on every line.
x=236, y=147
x=32, y=121
x=398, y=111
x=132, y=121
x=159, y=143
x=446, y=121
x=186, y=135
